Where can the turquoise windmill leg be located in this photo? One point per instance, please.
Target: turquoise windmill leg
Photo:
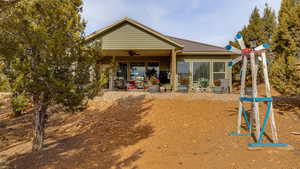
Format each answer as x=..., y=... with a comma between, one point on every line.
x=246, y=119
x=259, y=142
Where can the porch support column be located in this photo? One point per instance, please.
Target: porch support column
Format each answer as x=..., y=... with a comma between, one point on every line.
x=111, y=79
x=173, y=70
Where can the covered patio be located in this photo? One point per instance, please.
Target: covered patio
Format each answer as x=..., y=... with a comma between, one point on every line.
x=141, y=55
x=136, y=67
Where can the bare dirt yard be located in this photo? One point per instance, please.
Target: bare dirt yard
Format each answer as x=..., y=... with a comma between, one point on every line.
x=149, y=131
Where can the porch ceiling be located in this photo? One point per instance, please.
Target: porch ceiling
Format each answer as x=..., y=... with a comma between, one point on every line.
x=137, y=52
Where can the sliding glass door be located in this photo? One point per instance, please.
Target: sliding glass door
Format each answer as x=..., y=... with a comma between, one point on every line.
x=137, y=71
x=201, y=74
x=152, y=70
x=121, y=76
x=183, y=72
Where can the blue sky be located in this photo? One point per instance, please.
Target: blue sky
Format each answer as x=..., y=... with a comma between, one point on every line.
x=209, y=21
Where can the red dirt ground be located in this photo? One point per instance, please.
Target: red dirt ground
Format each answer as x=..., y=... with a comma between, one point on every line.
x=138, y=131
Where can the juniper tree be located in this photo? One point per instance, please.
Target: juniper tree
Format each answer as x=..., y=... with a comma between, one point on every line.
x=42, y=46
x=284, y=76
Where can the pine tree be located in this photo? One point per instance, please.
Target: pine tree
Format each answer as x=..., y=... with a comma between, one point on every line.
x=290, y=9
x=269, y=24
x=42, y=46
x=260, y=28
x=296, y=27
x=255, y=28
x=5, y=4
x=284, y=76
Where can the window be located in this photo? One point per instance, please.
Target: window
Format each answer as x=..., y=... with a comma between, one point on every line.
x=121, y=76
x=201, y=71
x=153, y=69
x=201, y=74
x=122, y=71
x=137, y=71
x=183, y=67
x=183, y=72
x=219, y=70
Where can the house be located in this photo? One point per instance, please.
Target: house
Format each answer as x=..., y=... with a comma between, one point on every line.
x=140, y=52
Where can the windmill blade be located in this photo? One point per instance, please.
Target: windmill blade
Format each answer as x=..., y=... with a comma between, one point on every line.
x=259, y=58
x=240, y=40
x=233, y=49
x=262, y=47
x=234, y=61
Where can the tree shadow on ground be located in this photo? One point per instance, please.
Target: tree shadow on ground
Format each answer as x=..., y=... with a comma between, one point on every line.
x=110, y=130
x=287, y=104
x=13, y=129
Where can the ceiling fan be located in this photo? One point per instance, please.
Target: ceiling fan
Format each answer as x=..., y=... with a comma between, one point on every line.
x=133, y=53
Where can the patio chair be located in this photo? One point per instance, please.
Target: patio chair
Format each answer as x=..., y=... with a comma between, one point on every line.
x=198, y=86
x=224, y=86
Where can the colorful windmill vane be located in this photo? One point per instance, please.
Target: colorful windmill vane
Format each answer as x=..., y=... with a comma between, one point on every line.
x=258, y=130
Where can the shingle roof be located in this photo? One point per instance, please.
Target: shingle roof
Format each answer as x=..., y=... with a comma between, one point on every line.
x=193, y=46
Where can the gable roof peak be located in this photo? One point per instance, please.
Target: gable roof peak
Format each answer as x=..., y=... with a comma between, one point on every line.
x=137, y=24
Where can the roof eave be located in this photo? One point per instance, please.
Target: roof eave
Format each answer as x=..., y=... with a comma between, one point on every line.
x=208, y=53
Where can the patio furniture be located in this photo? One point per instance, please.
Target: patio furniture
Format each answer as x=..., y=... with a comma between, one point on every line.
x=166, y=87
x=120, y=83
x=131, y=85
x=196, y=85
x=223, y=87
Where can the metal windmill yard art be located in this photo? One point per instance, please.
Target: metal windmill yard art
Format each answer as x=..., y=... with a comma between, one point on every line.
x=254, y=54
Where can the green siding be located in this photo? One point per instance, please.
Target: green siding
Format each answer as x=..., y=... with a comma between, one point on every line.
x=205, y=57
x=129, y=37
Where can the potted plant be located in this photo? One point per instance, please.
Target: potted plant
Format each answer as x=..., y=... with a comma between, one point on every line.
x=204, y=83
x=217, y=86
x=217, y=83
x=154, y=84
x=183, y=84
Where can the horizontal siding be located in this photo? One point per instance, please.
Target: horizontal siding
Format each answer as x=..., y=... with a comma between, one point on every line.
x=213, y=57
x=130, y=37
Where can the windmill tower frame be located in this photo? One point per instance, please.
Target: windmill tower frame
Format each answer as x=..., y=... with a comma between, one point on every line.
x=259, y=131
